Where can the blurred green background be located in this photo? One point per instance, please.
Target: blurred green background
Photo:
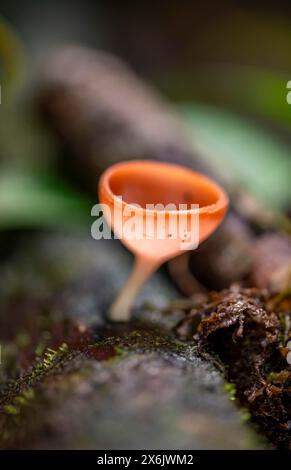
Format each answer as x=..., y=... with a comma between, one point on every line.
x=224, y=65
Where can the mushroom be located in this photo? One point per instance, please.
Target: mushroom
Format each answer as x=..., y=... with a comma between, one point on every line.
x=158, y=210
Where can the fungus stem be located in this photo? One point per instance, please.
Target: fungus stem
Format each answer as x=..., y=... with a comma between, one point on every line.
x=142, y=270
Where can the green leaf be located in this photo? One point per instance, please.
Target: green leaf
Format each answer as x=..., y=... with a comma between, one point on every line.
x=37, y=200
x=236, y=147
x=253, y=90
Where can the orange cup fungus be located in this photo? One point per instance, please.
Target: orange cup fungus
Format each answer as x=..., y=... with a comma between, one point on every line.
x=158, y=210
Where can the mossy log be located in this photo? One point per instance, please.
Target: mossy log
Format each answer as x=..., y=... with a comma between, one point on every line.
x=71, y=380
x=249, y=331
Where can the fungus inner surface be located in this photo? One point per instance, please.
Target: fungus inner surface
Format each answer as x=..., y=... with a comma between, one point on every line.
x=147, y=184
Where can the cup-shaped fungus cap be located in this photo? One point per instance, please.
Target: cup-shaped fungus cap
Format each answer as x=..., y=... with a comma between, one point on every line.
x=150, y=190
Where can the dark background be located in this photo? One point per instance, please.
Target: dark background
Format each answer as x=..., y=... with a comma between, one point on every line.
x=225, y=66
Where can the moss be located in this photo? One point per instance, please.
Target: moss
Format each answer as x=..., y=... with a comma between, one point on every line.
x=245, y=415
x=244, y=328
x=22, y=339
x=230, y=388
x=11, y=409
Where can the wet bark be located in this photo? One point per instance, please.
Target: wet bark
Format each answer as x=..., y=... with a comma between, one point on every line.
x=71, y=380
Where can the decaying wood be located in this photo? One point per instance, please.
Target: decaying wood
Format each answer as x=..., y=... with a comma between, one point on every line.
x=249, y=330
x=76, y=382
x=106, y=114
